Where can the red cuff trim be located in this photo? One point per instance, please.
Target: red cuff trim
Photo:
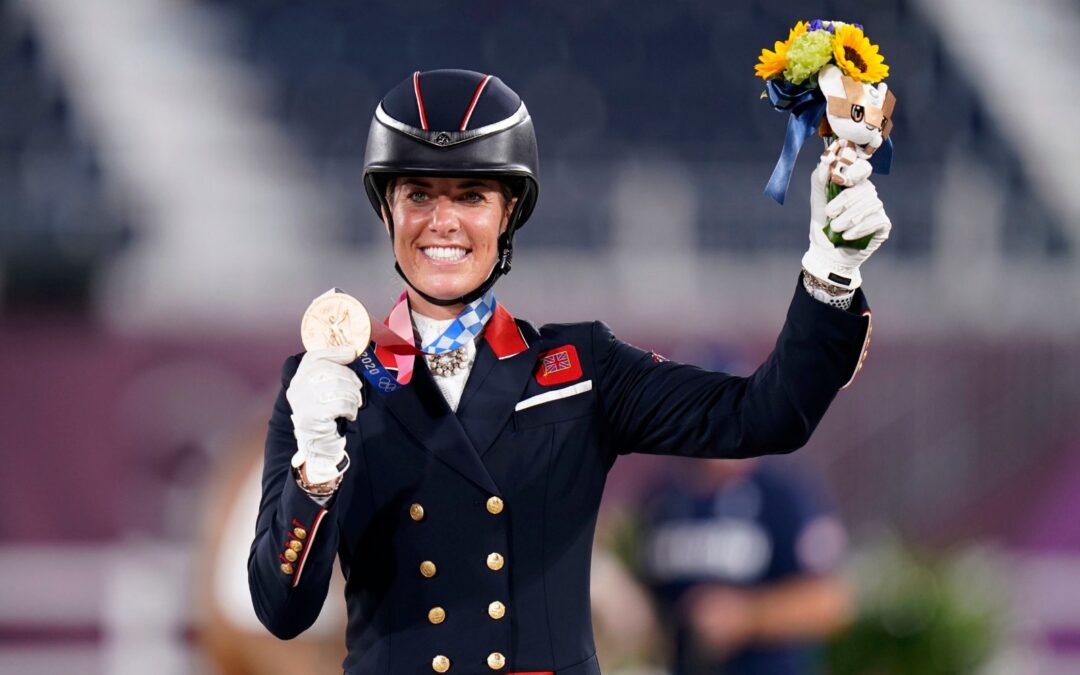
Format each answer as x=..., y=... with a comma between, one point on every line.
x=865, y=348
x=307, y=547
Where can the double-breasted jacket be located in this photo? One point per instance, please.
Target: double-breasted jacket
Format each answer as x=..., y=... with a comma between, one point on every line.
x=465, y=537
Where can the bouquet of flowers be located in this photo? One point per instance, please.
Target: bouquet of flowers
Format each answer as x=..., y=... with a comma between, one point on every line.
x=828, y=76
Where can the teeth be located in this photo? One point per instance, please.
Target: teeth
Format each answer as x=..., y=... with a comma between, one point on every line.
x=444, y=253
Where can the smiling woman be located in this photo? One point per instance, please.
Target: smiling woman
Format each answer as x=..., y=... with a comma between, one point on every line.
x=461, y=499
x=446, y=235
x=461, y=125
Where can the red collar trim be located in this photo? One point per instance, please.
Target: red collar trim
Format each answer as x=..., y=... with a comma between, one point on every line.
x=503, y=335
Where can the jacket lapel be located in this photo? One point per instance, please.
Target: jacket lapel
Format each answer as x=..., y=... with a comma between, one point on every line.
x=495, y=384
x=504, y=361
x=423, y=413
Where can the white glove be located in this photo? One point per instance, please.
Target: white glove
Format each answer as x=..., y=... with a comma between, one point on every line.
x=323, y=389
x=855, y=212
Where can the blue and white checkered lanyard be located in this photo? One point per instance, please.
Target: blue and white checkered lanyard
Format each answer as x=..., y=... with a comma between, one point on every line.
x=465, y=327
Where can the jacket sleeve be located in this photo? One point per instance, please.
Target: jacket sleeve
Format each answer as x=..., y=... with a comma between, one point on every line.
x=661, y=407
x=296, y=538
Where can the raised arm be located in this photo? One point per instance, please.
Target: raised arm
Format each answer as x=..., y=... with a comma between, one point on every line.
x=662, y=407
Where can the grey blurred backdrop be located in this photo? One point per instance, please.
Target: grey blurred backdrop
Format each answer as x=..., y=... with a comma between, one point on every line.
x=179, y=178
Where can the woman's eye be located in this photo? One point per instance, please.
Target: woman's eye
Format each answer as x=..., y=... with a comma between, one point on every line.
x=473, y=197
x=417, y=196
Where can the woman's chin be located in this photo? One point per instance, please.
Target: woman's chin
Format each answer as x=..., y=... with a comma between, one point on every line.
x=446, y=289
x=444, y=282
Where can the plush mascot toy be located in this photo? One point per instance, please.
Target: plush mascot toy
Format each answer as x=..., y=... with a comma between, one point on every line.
x=858, y=119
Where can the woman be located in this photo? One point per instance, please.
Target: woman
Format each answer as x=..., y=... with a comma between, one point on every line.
x=461, y=506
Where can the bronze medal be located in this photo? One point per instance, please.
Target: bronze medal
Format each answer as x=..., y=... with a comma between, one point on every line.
x=333, y=319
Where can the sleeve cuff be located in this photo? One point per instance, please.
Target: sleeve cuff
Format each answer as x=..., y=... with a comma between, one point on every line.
x=850, y=328
x=301, y=519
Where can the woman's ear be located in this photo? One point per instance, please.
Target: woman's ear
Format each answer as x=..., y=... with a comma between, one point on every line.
x=506, y=214
x=385, y=220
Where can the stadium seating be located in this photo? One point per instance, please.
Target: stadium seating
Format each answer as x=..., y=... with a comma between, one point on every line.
x=56, y=225
x=613, y=82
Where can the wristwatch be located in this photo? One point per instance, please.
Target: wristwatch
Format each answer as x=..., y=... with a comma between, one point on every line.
x=830, y=294
x=832, y=289
x=317, y=489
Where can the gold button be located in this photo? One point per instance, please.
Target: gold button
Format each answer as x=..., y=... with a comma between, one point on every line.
x=494, y=505
x=496, y=660
x=300, y=533
x=436, y=615
x=440, y=664
x=416, y=512
x=495, y=561
x=290, y=555
x=428, y=569
x=295, y=545
x=286, y=568
x=496, y=610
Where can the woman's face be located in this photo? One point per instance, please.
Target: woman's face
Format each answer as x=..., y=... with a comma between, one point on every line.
x=446, y=234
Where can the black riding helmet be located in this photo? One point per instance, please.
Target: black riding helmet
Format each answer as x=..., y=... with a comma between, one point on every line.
x=454, y=123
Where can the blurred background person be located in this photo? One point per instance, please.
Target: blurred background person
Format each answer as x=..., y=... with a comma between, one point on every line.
x=744, y=559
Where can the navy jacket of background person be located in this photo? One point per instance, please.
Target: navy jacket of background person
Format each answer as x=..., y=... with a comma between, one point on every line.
x=772, y=524
x=465, y=538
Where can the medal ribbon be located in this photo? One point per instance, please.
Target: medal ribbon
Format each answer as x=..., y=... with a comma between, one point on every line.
x=397, y=336
x=465, y=327
x=378, y=376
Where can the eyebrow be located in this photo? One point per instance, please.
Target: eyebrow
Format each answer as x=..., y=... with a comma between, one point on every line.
x=475, y=184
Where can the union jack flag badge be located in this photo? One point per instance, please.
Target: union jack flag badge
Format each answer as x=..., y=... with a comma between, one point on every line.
x=558, y=366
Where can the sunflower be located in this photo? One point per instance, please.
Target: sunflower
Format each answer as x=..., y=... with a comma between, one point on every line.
x=772, y=63
x=856, y=56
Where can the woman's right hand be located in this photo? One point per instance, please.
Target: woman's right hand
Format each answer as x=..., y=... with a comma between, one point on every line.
x=323, y=389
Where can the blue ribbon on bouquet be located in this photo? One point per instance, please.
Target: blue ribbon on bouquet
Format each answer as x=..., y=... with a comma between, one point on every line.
x=806, y=106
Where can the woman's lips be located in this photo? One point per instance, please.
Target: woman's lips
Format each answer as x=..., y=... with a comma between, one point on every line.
x=445, y=255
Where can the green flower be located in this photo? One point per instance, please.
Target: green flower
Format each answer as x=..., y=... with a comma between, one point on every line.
x=808, y=53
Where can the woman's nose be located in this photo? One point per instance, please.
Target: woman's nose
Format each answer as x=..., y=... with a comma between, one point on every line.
x=443, y=216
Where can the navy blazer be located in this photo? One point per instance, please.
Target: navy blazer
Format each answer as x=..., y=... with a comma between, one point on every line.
x=465, y=538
